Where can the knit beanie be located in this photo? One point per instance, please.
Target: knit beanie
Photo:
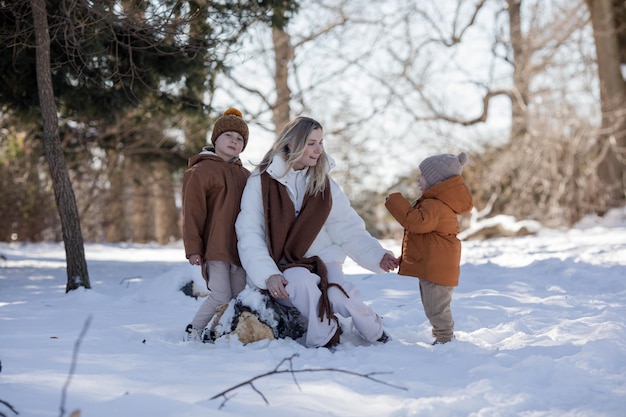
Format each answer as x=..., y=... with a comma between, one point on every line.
x=439, y=168
x=231, y=121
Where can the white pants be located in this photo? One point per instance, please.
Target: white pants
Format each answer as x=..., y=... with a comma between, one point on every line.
x=304, y=295
x=225, y=282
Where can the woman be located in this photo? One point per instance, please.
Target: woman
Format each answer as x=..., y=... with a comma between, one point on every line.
x=294, y=231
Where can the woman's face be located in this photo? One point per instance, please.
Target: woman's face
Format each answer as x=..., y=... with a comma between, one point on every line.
x=313, y=150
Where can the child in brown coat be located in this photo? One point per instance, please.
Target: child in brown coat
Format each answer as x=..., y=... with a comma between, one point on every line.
x=212, y=188
x=430, y=248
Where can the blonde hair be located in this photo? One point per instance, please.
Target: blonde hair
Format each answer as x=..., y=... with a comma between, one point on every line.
x=296, y=133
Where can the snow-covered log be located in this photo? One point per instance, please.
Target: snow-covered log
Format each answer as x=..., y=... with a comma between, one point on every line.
x=254, y=316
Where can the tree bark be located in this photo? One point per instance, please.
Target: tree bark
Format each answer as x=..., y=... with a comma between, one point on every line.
x=166, y=213
x=612, y=137
x=283, y=55
x=77, y=274
x=143, y=216
x=116, y=224
x=519, y=95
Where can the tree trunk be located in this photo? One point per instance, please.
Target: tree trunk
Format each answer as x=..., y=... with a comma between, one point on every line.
x=283, y=55
x=142, y=202
x=77, y=274
x=165, y=211
x=519, y=97
x=116, y=227
x=612, y=137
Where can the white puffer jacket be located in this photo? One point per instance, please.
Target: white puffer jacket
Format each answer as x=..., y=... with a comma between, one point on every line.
x=343, y=233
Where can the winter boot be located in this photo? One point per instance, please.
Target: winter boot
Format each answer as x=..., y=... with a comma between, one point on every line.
x=209, y=336
x=192, y=334
x=384, y=338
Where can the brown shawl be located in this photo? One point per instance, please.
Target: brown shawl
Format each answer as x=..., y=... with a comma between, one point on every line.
x=290, y=237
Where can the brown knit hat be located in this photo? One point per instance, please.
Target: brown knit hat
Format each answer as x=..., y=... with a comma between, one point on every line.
x=231, y=121
x=439, y=168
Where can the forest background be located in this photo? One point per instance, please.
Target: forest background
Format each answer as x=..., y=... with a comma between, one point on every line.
x=101, y=104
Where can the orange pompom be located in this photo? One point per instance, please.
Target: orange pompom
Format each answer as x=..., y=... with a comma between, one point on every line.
x=234, y=112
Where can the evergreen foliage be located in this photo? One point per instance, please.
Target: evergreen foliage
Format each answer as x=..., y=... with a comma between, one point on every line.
x=123, y=73
x=106, y=59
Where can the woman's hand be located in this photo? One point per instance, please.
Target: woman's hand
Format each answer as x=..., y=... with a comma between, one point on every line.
x=276, y=286
x=195, y=259
x=389, y=262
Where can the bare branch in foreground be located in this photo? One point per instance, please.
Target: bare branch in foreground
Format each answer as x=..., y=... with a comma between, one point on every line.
x=290, y=370
x=73, y=365
x=9, y=406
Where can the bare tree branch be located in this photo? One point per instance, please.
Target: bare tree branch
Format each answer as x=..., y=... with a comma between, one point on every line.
x=73, y=365
x=9, y=406
x=458, y=30
x=277, y=371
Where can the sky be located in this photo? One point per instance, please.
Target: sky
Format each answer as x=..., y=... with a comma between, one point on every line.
x=355, y=99
x=540, y=331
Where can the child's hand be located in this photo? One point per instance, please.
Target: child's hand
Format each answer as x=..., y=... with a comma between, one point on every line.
x=389, y=262
x=195, y=260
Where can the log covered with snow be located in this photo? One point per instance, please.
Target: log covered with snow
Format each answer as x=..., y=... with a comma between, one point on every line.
x=254, y=315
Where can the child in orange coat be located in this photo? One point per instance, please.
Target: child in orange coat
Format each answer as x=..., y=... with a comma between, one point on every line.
x=430, y=249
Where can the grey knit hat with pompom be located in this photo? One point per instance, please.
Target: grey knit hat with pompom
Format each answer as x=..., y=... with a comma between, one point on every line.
x=439, y=168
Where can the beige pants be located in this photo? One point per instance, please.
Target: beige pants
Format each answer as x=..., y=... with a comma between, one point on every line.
x=436, y=300
x=225, y=282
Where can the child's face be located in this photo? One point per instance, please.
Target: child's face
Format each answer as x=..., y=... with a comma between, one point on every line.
x=422, y=183
x=229, y=145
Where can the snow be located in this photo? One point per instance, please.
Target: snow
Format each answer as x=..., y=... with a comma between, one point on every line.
x=540, y=326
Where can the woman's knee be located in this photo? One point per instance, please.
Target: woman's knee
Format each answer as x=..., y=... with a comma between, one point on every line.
x=301, y=277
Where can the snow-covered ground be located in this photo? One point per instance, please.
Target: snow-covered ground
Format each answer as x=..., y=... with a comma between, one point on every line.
x=540, y=325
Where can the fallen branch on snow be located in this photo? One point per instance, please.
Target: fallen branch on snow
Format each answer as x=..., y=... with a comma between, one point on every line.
x=73, y=366
x=9, y=406
x=290, y=370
